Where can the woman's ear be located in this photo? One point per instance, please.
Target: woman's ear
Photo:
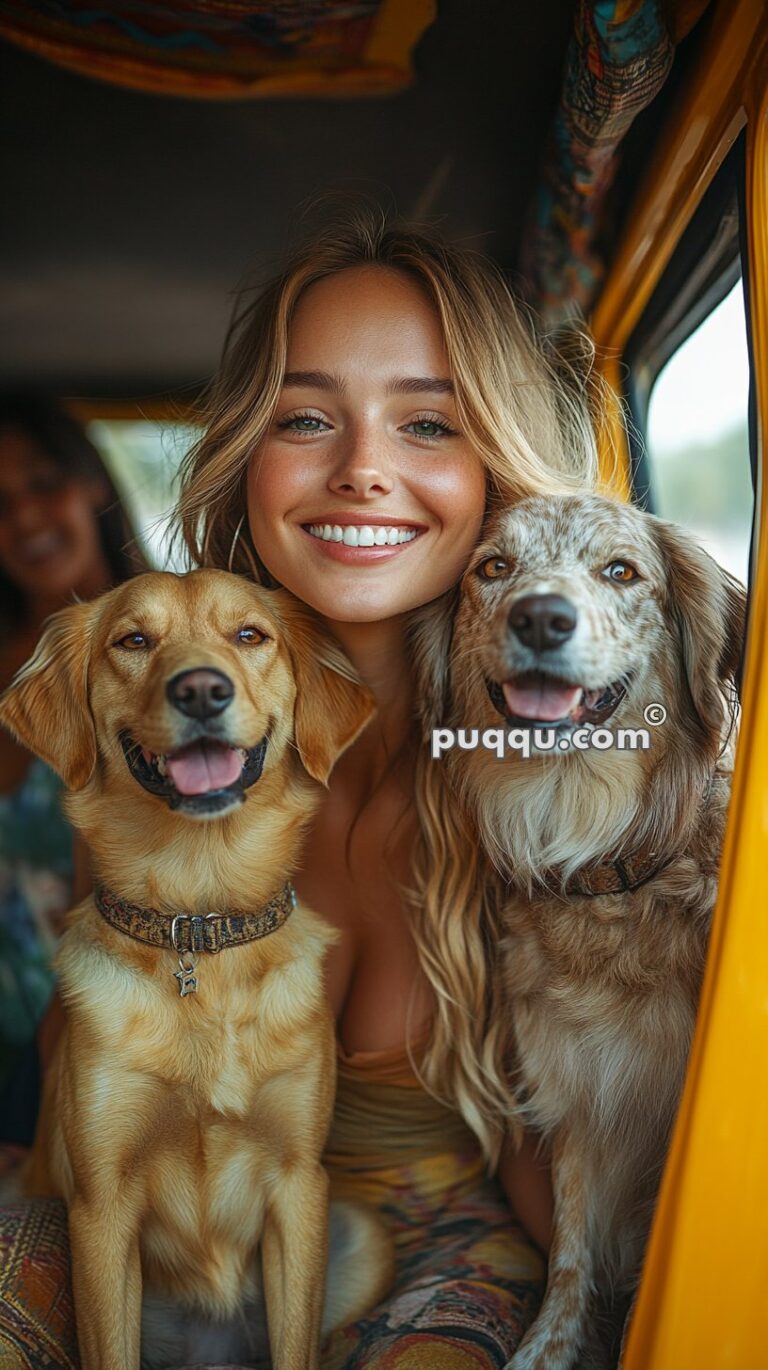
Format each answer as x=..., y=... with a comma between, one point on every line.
x=709, y=606
x=332, y=703
x=46, y=704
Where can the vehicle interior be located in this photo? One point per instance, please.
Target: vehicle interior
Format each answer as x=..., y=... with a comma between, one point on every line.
x=612, y=157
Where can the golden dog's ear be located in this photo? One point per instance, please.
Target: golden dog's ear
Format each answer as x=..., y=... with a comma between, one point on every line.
x=430, y=632
x=710, y=608
x=332, y=703
x=46, y=704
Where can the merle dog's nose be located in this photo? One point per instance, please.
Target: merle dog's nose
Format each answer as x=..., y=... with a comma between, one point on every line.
x=201, y=693
x=542, y=622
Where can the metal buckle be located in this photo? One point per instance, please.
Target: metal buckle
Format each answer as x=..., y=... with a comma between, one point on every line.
x=175, y=943
x=204, y=935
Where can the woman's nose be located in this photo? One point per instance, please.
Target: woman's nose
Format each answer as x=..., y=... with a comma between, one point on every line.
x=23, y=510
x=362, y=467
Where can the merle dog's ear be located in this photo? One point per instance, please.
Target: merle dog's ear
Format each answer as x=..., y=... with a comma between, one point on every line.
x=709, y=606
x=430, y=634
x=46, y=704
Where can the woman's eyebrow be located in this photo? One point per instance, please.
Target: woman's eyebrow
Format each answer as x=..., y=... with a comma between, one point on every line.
x=400, y=385
x=316, y=380
x=419, y=385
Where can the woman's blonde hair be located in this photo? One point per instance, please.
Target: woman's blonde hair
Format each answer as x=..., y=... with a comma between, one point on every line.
x=528, y=415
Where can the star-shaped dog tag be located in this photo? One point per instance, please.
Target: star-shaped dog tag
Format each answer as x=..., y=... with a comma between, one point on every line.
x=186, y=978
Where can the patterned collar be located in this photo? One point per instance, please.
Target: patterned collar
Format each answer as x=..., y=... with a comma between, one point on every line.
x=191, y=933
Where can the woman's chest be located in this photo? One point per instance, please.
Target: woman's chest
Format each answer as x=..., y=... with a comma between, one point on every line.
x=352, y=877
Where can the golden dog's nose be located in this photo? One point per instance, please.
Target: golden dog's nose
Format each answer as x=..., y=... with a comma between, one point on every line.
x=201, y=693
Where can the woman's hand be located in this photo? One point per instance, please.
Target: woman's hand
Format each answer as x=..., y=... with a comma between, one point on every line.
x=525, y=1177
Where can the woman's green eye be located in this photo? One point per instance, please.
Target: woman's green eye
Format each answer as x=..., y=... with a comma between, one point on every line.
x=429, y=428
x=303, y=423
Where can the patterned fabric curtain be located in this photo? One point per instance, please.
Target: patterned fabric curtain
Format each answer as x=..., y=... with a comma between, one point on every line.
x=209, y=48
x=617, y=61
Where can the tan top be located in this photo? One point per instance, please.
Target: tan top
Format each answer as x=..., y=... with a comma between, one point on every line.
x=384, y=1116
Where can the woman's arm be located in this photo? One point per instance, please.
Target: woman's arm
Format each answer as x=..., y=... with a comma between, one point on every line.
x=526, y=1180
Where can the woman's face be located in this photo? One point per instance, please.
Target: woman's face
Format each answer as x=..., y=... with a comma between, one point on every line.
x=365, y=499
x=49, y=539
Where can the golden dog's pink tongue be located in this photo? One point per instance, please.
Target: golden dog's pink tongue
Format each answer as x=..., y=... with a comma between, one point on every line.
x=541, y=703
x=204, y=766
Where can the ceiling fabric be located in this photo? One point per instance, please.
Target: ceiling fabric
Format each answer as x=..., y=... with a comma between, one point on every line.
x=618, y=58
x=210, y=49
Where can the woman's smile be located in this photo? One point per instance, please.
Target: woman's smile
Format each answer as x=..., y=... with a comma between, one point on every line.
x=345, y=538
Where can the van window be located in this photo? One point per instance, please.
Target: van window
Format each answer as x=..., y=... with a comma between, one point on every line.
x=697, y=436
x=143, y=459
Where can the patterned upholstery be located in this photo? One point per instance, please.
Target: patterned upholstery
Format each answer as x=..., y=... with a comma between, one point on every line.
x=36, y=1317
x=214, y=48
x=617, y=61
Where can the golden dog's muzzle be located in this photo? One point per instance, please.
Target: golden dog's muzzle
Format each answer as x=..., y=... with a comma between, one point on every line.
x=208, y=774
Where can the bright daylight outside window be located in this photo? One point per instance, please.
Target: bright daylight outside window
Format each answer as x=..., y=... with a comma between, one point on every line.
x=143, y=460
x=698, y=440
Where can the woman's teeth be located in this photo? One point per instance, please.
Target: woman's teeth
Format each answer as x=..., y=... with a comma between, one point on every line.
x=364, y=535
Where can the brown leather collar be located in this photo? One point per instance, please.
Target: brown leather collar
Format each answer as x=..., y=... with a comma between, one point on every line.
x=188, y=932
x=618, y=874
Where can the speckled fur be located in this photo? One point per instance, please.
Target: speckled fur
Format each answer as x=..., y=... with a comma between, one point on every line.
x=602, y=991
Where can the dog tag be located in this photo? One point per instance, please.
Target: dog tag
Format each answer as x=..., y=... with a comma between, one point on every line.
x=186, y=977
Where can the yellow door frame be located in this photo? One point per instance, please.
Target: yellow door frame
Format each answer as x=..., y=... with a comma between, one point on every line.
x=702, y=1299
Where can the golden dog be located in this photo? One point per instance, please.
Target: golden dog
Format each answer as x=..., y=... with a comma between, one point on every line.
x=576, y=617
x=187, y=1105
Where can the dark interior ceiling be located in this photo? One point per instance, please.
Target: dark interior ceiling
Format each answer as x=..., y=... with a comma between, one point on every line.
x=130, y=219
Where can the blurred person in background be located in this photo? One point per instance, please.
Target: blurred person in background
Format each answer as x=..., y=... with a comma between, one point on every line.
x=64, y=534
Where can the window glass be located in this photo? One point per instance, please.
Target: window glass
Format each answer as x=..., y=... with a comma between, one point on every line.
x=143, y=459
x=697, y=436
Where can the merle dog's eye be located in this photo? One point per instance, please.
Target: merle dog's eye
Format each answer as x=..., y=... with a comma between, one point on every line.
x=250, y=635
x=620, y=572
x=492, y=568
x=132, y=642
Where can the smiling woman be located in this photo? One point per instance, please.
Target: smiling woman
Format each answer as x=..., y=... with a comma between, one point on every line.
x=374, y=404
x=63, y=532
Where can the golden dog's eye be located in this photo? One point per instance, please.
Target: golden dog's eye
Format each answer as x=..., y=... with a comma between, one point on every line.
x=492, y=568
x=620, y=572
x=250, y=635
x=132, y=642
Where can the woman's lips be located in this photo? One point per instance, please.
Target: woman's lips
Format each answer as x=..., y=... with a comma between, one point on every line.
x=40, y=547
x=360, y=556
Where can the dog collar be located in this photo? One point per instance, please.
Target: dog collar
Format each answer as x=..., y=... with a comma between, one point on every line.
x=189, y=933
x=619, y=874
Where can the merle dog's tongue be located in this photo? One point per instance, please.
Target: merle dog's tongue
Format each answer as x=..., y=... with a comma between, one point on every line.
x=204, y=766
x=541, y=703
